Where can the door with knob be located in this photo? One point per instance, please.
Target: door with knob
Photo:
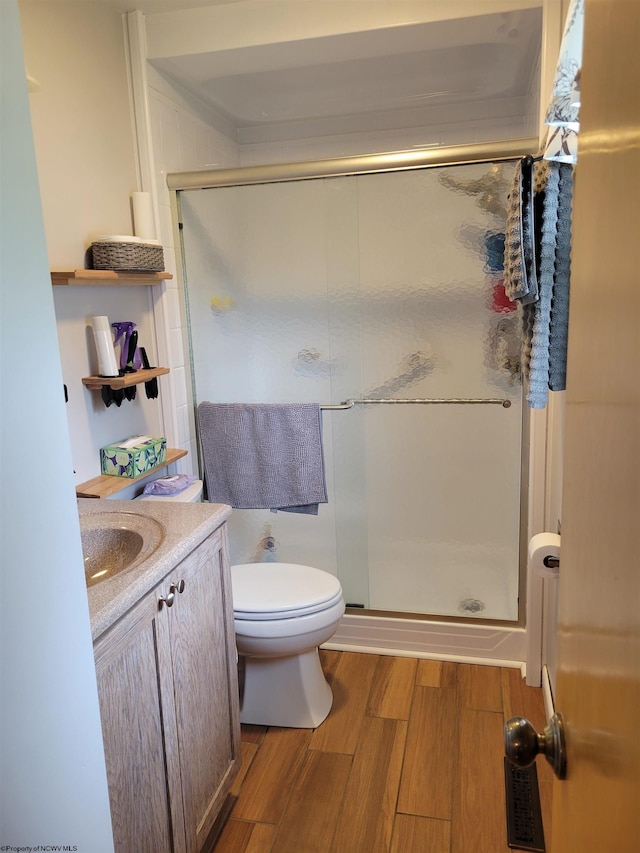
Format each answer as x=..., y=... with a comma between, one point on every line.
x=595, y=808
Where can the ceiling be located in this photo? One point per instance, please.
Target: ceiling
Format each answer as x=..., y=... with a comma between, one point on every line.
x=416, y=74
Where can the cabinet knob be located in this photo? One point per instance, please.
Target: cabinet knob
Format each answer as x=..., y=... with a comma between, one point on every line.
x=178, y=587
x=168, y=599
x=522, y=743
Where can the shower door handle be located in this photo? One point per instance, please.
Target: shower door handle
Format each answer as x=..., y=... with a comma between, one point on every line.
x=522, y=743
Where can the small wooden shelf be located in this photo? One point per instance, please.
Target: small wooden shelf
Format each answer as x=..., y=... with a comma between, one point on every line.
x=107, y=277
x=95, y=383
x=106, y=485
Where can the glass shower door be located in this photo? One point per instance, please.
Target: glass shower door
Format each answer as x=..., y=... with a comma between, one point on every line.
x=379, y=286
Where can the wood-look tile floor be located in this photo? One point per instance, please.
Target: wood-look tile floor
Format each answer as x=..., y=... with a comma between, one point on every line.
x=409, y=759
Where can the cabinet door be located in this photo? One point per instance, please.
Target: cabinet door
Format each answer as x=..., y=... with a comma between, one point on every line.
x=135, y=715
x=205, y=685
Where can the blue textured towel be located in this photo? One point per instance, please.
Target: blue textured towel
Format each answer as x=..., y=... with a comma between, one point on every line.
x=559, y=327
x=539, y=320
x=541, y=280
x=545, y=332
x=263, y=455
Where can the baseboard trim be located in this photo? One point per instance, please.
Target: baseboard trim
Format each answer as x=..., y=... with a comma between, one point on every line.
x=479, y=644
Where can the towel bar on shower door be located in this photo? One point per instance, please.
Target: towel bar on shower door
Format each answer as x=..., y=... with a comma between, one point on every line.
x=349, y=404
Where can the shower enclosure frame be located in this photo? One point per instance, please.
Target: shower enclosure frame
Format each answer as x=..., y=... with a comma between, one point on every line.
x=514, y=647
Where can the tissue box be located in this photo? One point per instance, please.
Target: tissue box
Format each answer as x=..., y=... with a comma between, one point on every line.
x=133, y=457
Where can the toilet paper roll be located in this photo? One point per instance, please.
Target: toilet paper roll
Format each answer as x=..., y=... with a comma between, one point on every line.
x=144, y=225
x=542, y=547
x=107, y=364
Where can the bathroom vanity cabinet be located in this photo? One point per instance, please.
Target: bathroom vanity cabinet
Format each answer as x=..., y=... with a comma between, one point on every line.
x=167, y=684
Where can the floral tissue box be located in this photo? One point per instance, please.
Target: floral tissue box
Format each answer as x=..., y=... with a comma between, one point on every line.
x=133, y=457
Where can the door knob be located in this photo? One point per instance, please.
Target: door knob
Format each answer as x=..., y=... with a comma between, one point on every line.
x=522, y=743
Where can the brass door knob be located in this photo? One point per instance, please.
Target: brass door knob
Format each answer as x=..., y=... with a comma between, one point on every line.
x=522, y=743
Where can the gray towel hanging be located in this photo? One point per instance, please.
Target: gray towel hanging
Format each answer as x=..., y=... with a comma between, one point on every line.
x=263, y=455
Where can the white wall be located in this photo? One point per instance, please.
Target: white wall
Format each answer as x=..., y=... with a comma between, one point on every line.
x=183, y=140
x=81, y=123
x=85, y=152
x=355, y=144
x=281, y=34
x=53, y=787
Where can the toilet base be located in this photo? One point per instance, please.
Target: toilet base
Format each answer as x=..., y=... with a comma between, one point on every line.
x=287, y=691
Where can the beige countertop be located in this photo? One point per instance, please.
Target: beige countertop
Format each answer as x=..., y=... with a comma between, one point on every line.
x=185, y=525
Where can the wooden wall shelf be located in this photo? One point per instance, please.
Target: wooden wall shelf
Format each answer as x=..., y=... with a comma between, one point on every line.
x=108, y=277
x=106, y=485
x=95, y=383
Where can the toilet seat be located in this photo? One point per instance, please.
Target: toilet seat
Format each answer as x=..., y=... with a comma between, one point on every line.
x=274, y=591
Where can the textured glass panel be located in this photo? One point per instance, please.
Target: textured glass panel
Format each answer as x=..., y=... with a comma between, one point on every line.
x=381, y=286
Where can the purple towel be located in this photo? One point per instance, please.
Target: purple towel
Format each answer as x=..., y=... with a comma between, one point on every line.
x=263, y=455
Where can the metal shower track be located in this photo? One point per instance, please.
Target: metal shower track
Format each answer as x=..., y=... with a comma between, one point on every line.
x=425, y=158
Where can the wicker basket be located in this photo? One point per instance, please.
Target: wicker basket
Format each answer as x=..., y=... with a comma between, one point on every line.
x=127, y=256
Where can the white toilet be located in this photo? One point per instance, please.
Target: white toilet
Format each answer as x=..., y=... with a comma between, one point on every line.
x=282, y=613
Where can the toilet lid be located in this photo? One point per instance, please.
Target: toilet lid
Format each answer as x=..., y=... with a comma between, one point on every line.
x=281, y=590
